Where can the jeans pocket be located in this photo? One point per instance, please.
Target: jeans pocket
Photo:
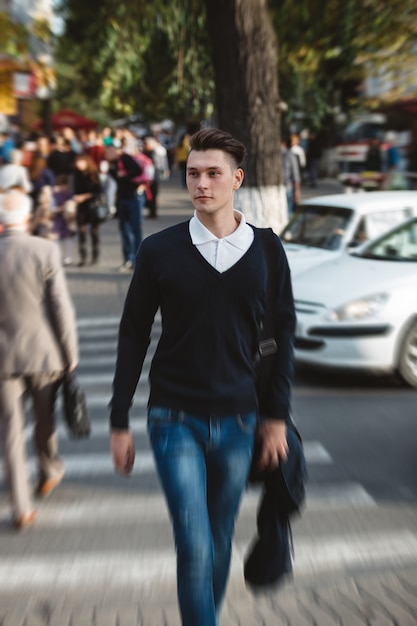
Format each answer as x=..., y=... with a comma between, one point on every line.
x=247, y=421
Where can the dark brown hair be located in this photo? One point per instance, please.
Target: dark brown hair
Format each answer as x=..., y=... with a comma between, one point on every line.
x=37, y=164
x=91, y=166
x=216, y=139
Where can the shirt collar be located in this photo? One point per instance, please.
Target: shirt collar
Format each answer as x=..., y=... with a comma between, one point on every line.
x=200, y=234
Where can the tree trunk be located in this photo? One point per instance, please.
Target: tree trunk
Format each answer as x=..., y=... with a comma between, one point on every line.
x=245, y=60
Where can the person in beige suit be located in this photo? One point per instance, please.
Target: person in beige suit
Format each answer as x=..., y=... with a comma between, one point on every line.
x=38, y=342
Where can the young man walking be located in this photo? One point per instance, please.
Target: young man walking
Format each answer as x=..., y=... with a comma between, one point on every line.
x=208, y=276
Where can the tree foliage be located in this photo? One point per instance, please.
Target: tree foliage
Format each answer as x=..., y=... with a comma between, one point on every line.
x=135, y=56
x=154, y=57
x=14, y=40
x=328, y=46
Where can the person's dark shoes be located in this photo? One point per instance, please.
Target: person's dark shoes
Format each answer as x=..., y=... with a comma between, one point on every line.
x=81, y=263
x=25, y=520
x=45, y=486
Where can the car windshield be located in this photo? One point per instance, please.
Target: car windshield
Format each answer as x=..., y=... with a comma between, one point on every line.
x=317, y=226
x=400, y=245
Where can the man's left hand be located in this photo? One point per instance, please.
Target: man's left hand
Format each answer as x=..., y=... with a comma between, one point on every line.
x=273, y=438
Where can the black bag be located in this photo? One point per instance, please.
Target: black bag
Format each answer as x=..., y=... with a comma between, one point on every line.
x=75, y=407
x=99, y=210
x=269, y=558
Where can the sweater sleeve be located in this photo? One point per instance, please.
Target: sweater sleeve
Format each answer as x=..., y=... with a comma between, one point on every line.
x=142, y=302
x=278, y=400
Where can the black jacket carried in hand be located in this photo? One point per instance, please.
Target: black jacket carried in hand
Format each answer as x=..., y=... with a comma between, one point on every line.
x=269, y=556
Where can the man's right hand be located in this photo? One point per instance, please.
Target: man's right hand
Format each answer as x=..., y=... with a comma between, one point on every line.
x=123, y=450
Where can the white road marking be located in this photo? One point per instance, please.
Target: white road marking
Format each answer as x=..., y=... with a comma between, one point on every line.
x=95, y=322
x=99, y=464
x=138, y=508
x=390, y=548
x=116, y=569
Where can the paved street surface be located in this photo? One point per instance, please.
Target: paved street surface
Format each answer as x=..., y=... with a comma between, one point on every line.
x=101, y=552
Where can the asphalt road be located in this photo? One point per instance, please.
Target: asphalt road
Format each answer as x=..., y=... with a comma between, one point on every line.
x=369, y=427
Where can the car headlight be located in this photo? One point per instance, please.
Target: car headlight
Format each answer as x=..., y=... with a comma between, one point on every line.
x=359, y=309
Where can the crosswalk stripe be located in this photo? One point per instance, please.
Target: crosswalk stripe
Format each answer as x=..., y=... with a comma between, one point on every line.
x=346, y=494
x=95, y=322
x=97, y=361
x=99, y=332
x=105, y=379
x=100, y=401
x=100, y=464
x=108, y=360
x=86, y=323
x=139, y=509
x=119, y=568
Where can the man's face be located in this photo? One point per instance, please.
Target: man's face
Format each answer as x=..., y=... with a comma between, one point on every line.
x=212, y=180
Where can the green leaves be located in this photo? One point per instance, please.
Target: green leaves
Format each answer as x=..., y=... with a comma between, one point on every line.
x=14, y=40
x=327, y=47
x=154, y=57
x=137, y=56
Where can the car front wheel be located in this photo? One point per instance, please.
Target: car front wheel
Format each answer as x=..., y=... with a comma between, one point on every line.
x=407, y=366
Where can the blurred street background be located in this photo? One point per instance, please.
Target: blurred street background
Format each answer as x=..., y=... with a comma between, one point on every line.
x=341, y=95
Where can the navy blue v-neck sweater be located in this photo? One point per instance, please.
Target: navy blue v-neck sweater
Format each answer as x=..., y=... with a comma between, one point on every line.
x=211, y=322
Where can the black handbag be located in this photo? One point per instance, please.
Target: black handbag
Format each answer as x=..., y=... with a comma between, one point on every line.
x=99, y=210
x=75, y=409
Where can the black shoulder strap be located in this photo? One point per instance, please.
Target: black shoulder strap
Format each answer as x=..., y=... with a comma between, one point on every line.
x=267, y=334
x=267, y=343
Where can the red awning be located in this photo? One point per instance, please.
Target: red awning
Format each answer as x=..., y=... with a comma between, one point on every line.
x=67, y=118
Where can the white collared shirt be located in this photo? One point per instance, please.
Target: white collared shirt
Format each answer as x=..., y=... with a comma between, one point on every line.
x=222, y=253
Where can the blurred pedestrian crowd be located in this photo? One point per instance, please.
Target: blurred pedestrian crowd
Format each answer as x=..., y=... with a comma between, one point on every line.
x=52, y=190
x=77, y=179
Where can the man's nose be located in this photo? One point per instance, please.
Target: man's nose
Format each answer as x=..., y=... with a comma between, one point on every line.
x=202, y=181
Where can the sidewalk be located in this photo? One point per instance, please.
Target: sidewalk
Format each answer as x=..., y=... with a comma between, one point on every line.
x=376, y=591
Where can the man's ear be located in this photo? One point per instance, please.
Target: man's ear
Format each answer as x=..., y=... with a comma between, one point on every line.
x=239, y=175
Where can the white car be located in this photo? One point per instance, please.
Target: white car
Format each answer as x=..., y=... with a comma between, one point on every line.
x=359, y=312
x=326, y=226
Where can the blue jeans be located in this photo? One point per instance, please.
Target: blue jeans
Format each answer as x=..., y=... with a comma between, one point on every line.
x=130, y=224
x=290, y=201
x=203, y=464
